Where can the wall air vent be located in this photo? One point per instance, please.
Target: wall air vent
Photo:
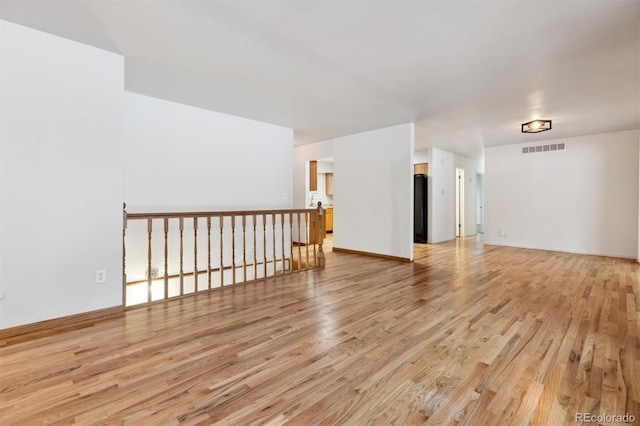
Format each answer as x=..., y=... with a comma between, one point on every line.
x=544, y=148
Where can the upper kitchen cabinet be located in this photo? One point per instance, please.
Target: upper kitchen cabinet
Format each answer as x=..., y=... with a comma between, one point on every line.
x=421, y=169
x=328, y=183
x=313, y=175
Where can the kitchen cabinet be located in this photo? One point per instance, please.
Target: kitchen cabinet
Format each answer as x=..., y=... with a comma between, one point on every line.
x=328, y=219
x=328, y=183
x=313, y=175
x=421, y=169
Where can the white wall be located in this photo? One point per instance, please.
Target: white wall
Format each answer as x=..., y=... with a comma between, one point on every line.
x=582, y=200
x=422, y=156
x=442, y=197
x=61, y=142
x=184, y=158
x=325, y=167
x=373, y=175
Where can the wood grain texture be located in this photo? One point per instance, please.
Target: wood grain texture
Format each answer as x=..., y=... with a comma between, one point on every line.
x=465, y=334
x=328, y=185
x=328, y=219
x=366, y=253
x=48, y=327
x=313, y=175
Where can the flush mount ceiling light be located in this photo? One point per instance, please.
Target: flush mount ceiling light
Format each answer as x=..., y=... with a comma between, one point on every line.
x=536, y=126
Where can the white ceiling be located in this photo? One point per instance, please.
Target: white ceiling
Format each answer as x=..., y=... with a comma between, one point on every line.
x=467, y=72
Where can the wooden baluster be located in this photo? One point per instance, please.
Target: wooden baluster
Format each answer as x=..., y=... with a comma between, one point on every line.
x=244, y=248
x=124, y=254
x=299, y=243
x=290, y=241
x=282, y=240
x=307, y=216
x=195, y=254
x=221, y=223
x=313, y=223
x=320, y=262
x=273, y=226
x=233, y=250
x=209, y=252
x=149, y=274
x=264, y=244
x=255, y=250
x=166, y=258
x=181, y=257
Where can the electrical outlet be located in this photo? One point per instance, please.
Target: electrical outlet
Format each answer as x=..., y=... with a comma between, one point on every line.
x=101, y=276
x=153, y=275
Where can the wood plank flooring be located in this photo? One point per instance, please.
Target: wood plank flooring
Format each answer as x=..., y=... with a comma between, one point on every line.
x=466, y=334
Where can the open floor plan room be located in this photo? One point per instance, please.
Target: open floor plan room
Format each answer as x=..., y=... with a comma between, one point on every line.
x=465, y=334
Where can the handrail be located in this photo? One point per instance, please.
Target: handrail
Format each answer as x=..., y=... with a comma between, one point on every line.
x=174, y=215
x=165, y=261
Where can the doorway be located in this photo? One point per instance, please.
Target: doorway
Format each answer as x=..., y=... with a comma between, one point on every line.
x=319, y=187
x=459, y=202
x=479, y=203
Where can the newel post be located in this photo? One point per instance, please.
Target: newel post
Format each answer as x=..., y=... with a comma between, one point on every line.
x=320, y=235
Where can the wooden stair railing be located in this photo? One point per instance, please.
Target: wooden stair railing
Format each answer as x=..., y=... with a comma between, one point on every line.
x=227, y=248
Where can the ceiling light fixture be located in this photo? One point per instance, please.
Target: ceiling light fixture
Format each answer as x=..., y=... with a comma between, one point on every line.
x=536, y=126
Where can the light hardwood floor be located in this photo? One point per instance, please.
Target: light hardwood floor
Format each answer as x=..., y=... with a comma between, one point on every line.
x=464, y=335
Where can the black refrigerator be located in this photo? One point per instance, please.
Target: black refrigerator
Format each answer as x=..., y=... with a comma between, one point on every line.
x=420, y=200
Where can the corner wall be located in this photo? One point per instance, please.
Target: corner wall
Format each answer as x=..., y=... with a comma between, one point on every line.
x=65, y=170
x=582, y=200
x=373, y=189
x=373, y=197
x=61, y=181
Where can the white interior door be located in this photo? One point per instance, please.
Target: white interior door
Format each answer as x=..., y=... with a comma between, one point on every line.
x=459, y=202
x=479, y=204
